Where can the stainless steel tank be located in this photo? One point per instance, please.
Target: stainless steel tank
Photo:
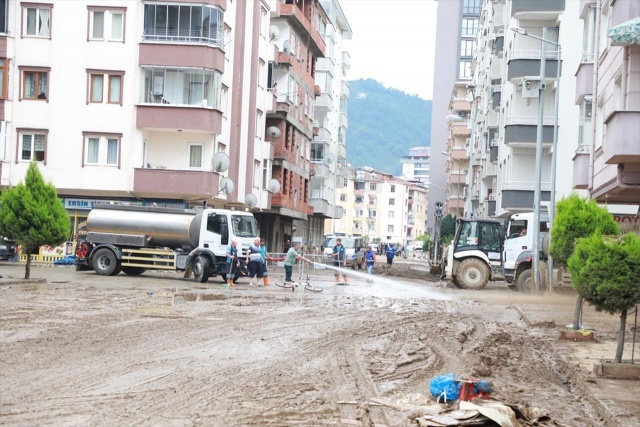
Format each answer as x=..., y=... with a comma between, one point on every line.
x=173, y=228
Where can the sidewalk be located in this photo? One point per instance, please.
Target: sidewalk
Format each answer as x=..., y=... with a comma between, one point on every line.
x=617, y=401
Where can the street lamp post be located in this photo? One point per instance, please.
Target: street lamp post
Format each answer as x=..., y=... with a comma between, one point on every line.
x=538, y=165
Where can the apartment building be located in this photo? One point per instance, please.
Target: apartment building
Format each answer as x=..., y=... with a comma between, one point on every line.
x=506, y=109
x=328, y=148
x=130, y=104
x=457, y=150
x=296, y=34
x=415, y=165
x=380, y=206
x=606, y=161
x=457, y=25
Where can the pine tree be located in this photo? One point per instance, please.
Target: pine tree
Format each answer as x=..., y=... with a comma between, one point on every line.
x=606, y=272
x=577, y=217
x=32, y=215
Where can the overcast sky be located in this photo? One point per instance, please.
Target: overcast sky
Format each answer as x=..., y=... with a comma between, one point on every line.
x=393, y=42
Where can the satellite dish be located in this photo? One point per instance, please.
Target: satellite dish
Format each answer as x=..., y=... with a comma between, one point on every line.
x=274, y=132
x=274, y=186
x=286, y=48
x=250, y=200
x=274, y=32
x=220, y=162
x=227, y=186
x=329, y=158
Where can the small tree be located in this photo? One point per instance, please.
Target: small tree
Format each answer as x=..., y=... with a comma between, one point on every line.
x=447, y=229
x=32, y=215
x=606, y=272
x=577, y=217
x=426, y=240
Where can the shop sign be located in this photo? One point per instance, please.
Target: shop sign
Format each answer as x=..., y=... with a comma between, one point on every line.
x=88, y=204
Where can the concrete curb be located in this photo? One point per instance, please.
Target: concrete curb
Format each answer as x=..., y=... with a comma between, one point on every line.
x=568, y=368
x=15, y=281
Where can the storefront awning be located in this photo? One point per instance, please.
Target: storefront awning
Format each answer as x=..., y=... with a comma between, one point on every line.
x=625, y=34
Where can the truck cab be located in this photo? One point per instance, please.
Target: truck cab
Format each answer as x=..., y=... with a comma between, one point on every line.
x=518, y=243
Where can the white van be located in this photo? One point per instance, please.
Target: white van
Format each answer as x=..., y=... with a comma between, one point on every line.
x=354, y=247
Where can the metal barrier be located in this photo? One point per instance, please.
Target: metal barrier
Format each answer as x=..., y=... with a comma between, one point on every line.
x=45, y=259
x=301, y=268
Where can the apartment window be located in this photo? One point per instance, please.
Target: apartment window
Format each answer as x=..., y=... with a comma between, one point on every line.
x=4, y=13
x=471, y=7
x=372, y=213
x=35, y=83
x=101, y=80
x=359, y=213
x=4, y=77
x=585, y=126
x=195, y=156
x=260, y=124
x=266, y=173
x=106, y=24
x=604, y=28
x=181, y=86
x=32, y=145
x=36, y=20
x=359, y=199
x=3, y=141
x=224, y=100
x=262, y=73
x=466, y=47
x=101, y=149
x=372, y=186
x=392, y=214
x=469, y=26
x=392, y=202
x=618, y=101
x=343, y=197
x=389, y=228
x=599, y=123
x=184, y=23
x=589, y=36
x=465, y=70
x=393, y=188
x=264, y=22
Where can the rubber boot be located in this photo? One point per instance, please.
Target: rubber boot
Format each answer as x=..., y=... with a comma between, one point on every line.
x=266, y=280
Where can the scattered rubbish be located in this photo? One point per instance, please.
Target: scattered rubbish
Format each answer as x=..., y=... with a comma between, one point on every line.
x=70, y=260
x=450, y=387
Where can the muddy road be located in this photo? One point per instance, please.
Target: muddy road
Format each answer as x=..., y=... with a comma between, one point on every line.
x=152, y=350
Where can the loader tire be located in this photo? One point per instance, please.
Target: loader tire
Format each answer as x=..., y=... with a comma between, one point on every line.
x=472, y=273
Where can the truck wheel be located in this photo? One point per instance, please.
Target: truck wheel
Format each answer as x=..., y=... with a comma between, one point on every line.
x=472, y=273
x=133, y=271
x=105, y=262
x=201, y=269
x=524, y=281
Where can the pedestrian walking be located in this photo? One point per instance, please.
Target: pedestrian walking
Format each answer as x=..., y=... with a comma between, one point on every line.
x=265, y=258
x=232, y=262
x=391, y=252
x=254, y=261
x=370, y=258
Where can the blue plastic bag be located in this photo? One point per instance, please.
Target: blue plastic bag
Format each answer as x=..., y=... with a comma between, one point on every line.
x=70, y=260
x=445, y=387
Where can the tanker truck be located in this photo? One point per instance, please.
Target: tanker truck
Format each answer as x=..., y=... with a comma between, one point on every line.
x=134, y=239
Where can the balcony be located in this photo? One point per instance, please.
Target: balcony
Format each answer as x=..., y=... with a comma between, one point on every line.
x=525, y=63
x=498, y=46
x=460, y=105
x=182, y=55
x=460, y=128
x=344, y=120
x=457, y=178
x=323, y=136
x=324, y=102
x=581, y=170
x=524, y=130
x=180, y=184
x=344, y=88
x=303, y=25
x=621, y=145
x=162, y=116
x=584, y=7
x=493, y=151
x=496, y=97
x=584, y=81
x=541, y=10
x=498, y=16
x=319, y=171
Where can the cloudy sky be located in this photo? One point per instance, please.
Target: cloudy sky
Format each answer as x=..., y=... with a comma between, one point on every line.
x=393, y=43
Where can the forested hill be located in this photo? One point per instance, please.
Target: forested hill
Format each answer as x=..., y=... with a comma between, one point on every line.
x=383, y=124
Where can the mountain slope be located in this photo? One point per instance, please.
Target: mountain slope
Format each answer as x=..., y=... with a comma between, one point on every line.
x=384, y=123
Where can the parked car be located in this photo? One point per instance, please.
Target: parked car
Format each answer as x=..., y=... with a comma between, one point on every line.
x=354, y=247
x=7, y=248
x=417, y=246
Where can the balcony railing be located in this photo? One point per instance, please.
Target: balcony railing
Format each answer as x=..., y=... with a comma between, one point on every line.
x=182, y=36
x=525, y=185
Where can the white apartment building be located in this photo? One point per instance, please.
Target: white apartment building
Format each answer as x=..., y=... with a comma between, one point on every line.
x=415, y=165
x=506, y=73
x=130, y=103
